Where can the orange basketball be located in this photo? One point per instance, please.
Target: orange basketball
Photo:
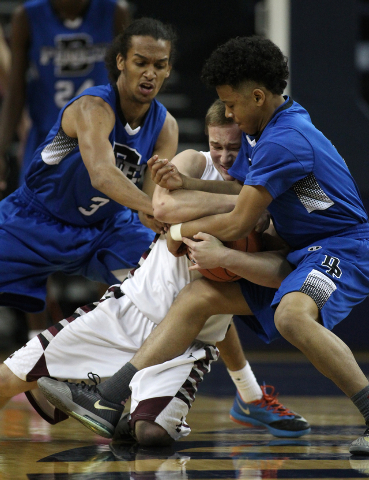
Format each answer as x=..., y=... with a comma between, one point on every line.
x=250, y=244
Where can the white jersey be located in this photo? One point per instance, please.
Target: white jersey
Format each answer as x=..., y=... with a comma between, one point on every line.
x=153, y=288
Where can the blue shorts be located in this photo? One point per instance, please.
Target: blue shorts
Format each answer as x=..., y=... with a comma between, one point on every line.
x=34, y=245
x=334, y=272
x=34, y=139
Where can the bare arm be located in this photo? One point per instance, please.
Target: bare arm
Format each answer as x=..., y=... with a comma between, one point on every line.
x=165, y=147
x=166, y=176
x=91, y=120
x=268, y=268
x=174, y=206
x=251, y=204
x=14, y=99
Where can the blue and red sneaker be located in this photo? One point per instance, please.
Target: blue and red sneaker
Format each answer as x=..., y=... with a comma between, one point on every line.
x=268, y=412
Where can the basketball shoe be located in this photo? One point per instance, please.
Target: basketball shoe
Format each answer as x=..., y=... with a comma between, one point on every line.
x=360, y=446
x=84, y=403
x=268, y=412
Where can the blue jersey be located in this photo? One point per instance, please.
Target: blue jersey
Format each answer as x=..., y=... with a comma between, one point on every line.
x=314, y=194
x=58, y=181
x=64, y=59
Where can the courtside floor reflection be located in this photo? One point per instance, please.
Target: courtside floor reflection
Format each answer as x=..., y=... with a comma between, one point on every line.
x=31, y=449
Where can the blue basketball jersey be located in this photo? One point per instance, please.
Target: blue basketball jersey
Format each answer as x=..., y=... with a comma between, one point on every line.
x=58, y=181
x=314, y=194
x=64, y=59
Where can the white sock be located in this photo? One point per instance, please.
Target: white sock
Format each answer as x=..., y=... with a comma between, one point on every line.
x=246, y=384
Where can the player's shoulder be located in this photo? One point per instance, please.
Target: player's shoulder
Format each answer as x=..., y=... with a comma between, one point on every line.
x=170, y=121
x=93, y=98
x=170, y=125
x=99, y=93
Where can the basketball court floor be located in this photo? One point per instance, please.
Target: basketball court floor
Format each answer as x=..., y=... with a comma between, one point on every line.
x=217, y=448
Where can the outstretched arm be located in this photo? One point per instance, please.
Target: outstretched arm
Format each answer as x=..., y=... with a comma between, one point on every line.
x=91, y=120
x=251, y=204
x=166, y=146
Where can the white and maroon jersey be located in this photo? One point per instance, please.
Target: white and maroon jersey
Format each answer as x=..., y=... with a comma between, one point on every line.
x=155, y=284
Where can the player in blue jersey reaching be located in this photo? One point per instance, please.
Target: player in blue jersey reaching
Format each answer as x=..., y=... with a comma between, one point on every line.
x=288, y=166
x=58, y=49
x=73, y=214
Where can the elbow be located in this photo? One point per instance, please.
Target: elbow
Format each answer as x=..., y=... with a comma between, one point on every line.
x=163, y=211
x=103, y=177
x=99, y=181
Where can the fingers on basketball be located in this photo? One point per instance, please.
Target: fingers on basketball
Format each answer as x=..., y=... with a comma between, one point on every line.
x=250, y=244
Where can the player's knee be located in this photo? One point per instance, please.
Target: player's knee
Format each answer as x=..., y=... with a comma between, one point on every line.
x=284, y=320
x=201, y=296
x=294, y=312
x=150, y=434
x=10, y=384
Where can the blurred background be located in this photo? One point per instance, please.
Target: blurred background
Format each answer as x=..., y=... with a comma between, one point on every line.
x=327, y=43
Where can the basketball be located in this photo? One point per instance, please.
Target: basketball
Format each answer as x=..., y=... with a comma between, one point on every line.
x=250, y=244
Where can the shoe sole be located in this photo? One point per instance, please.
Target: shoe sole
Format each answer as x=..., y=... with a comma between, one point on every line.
x=79, y=413
x=274, y=431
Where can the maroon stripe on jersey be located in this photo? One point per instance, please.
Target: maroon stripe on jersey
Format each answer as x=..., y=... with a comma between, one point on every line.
x=73, y=317
x=53, y=330
x=117, y=292
x=191, y=388
x=202, y=366
x=58, y=326
x=149, y=409
x=38, y=371
x=184, y=399
x=44, y=341
x=89, y=307
x=197, y=373
x=145, y=255
x=212, y=353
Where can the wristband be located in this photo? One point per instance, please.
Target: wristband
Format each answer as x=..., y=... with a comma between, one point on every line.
x=175, y=232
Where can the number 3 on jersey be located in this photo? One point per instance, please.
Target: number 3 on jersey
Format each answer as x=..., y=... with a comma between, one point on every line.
x=65, y=90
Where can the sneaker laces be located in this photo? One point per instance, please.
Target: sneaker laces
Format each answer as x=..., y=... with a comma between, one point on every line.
x=270, y=401
x=94, y=378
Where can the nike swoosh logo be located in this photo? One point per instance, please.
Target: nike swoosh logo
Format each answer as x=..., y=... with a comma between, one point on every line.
x=245, y=410
x=100, y=407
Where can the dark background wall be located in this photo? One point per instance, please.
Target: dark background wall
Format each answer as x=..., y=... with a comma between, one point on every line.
x=326, y=80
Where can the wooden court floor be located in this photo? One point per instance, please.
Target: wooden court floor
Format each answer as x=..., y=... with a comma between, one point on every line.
x=217, y=448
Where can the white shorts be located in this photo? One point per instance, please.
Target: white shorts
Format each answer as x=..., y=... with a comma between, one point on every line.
x=101, y=338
